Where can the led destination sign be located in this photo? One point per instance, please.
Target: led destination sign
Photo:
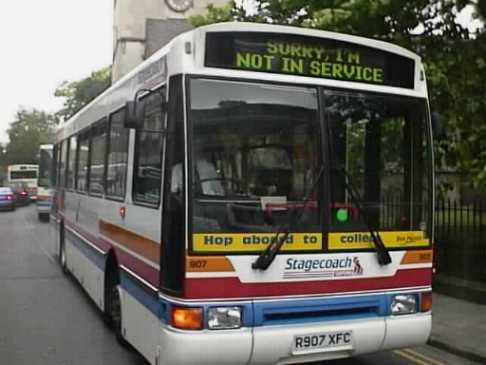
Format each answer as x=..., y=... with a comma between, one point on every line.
x=307, y=56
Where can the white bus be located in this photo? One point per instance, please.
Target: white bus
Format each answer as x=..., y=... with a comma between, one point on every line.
x=23, y=177
x=44, y=182
x=255, y=194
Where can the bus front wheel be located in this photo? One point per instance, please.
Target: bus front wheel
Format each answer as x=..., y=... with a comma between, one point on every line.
x=113, y=311
x=62, y=250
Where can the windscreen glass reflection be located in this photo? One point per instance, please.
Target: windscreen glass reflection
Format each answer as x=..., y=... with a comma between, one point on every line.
x=255, y=156
x=379, y=152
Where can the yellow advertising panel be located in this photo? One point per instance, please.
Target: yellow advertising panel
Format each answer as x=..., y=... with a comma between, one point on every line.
x=256, y=242
x=253, y=242
x=363, y=240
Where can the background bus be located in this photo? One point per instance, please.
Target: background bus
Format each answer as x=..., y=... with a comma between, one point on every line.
x=270, y=203
x=44, y=182
x=23, y=178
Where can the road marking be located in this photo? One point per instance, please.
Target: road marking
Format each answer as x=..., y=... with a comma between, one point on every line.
x=410, y=357
x=423, y=357
x=417, y=357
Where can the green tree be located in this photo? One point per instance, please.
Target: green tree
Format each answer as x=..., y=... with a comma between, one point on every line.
x=3, y=164
x=29, y=129
x=3, y=152
x=77, y=94
x=455, y=59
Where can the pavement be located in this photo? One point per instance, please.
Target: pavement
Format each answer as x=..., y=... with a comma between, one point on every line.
x=459, y=327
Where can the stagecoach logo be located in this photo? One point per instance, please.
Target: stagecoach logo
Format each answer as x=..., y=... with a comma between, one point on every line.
x=322, y=268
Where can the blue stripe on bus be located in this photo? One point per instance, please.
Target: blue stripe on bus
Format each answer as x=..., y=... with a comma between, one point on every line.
x=145, y=296
x=256, y=313
x=98, y=258
x=161, y=307
x=274, y=312
x=320, y=309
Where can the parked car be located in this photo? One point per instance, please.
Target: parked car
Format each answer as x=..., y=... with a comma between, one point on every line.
x=8, y=200
x=22, y=196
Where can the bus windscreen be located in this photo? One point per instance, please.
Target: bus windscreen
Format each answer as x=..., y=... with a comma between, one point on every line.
x=26, y=174
x=45, y=165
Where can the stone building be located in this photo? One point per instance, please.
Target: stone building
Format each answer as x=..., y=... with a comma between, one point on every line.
x=143, y=26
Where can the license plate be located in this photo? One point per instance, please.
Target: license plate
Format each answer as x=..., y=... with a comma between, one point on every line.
x=324, y=341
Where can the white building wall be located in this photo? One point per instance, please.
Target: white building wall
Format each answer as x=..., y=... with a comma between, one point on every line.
x=130, y=28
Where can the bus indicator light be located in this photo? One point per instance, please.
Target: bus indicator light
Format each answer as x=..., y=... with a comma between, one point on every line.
x=187, y=318
x=426, y=302
x=122, y=212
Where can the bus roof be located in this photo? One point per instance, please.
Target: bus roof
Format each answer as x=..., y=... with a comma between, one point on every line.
x=23, y=166
x=124, y=89
x=285, y=29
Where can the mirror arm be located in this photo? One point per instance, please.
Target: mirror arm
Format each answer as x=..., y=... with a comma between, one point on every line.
x=137, y=94
x=132, y=117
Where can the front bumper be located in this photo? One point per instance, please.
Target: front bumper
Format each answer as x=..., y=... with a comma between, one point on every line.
x=43, y=207
x=7, y=205
x=273, y=344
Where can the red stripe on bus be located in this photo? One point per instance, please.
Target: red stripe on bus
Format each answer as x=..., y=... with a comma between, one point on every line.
x=140, y=245
x=138, y=267
x=102, y=245
x=199, y=288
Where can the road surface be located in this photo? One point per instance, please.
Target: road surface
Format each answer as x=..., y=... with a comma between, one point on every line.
x=47, y=319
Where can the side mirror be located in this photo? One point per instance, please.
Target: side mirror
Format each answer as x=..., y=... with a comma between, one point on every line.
x=438, y=126
x=134, y=112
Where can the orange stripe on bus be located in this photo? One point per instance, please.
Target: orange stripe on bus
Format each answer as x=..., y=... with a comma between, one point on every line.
x=134, y=242
x=417, y=257
x=208, y=264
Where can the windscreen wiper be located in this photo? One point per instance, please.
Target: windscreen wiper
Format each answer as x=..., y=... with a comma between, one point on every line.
x=267, y=256
x=382, y=253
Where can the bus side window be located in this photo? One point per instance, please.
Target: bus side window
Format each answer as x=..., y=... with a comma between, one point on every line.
x=148, y=152
x=97, y=158
x=53, y=168
x=58, y=165
x=117, y=156
x=71, y=163
x=82, y=162
x=63, y=164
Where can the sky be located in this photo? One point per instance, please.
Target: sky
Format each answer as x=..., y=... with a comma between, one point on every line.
x=46, y=42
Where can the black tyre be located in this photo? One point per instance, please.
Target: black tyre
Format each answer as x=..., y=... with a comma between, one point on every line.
x=113, y=311
x=62, y=250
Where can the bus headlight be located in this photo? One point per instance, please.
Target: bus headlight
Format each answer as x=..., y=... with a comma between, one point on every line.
x=220, y=318
x=403, y=304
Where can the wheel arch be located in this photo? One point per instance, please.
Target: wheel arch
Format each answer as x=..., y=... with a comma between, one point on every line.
x=112, y=273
